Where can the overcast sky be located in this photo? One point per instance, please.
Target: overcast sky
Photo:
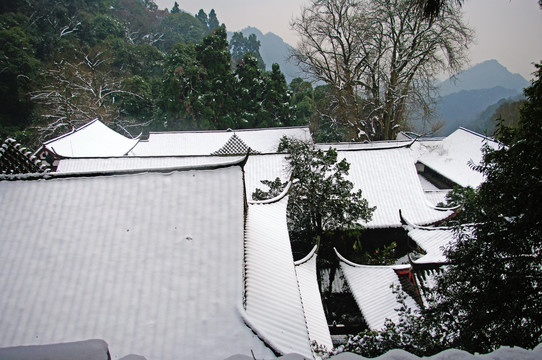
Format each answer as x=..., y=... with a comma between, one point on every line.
x=507, y=30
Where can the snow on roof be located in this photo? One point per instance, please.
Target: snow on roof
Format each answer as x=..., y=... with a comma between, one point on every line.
x=436, y=197
x=502, y=353
x=373, y=292
x=91, y=140
x=16, y=159
x=386, y=144
x=312, y=301
x=257, y=168
x=273, y=307
x=84, y=165
x=149, y=262
x=452, y=156
x=389, y=181
x=433, y=241
x=234, y=146
x=208, y=142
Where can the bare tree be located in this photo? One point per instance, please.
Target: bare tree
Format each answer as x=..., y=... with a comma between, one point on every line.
x=430, y=9
x=380, y=57
x=76, y=93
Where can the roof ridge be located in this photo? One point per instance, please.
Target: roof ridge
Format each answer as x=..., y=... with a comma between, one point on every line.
x=235, y=145
x=72, y=131
x=56, y=175
x=17, y=159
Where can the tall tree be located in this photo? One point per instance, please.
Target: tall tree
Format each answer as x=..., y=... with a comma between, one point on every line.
x=202, y=17
x=213, y=20
x=321, y=201
x=431, y=9
x=240, y=45
x=379, y=57
x=19, y=71
x=490, y=295
x=75, y=93
x=175, y=9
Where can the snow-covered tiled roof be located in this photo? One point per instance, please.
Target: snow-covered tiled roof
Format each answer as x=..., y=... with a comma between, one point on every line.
x=273, y=306
x=452, y=156
x=16, y=159
x=234, y=146
x=312, y=303
x=389, y=181
x=387, y=144
x=207, y=142
x=433, y=241
x=257, y=168
x=373, y=292
x=151, y=262
x=91, y=140
x=436, y=197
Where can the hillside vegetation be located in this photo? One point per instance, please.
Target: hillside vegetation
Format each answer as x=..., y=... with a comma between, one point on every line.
x=132, y=65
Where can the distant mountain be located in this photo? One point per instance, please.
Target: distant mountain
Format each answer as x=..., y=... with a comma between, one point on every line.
x=464, y=107
x=486, y=75
x=274, y=50
x=474, y=90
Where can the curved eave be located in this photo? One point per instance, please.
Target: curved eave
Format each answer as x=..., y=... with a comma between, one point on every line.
x=308, y=257
x=353, y=264
x=453, y=212
x=277, y=198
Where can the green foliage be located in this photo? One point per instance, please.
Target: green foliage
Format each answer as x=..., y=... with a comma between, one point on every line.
x=302, y=99
x=213, y=23
x=321, y=199
x=409, y=334
x=179, y=27
x=175, y=9
x=325, y=118
x=155, y=65
x=19, y=72
x=466, y=199
x=202, y=91
x=490, y=294
x=239, y=46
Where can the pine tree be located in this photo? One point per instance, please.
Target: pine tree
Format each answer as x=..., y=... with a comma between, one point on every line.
x=213, y=20
x=202, y=17
x=175, y=9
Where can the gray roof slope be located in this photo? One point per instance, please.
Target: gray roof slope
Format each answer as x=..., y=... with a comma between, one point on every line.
x=150, y=262
x=272, y=304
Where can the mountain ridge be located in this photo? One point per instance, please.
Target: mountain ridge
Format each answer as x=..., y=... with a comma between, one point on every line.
x=485, y=75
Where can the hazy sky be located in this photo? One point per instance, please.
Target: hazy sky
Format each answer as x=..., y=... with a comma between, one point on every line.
x=507, y=30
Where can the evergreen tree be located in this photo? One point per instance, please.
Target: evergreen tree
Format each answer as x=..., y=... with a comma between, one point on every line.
x=321, y=199
x=250, y=92
x=322, y=205
x=202, y=17
x=276, y=100
x=19, y=72
x=175, y=9
x=213, y=20
x=490, y=295
x=239, y=46
x=302, y=99
x=218, y=101
x=181, y=88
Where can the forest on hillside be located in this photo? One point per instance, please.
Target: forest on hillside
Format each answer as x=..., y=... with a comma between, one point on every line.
x=133, y=66
x=138, y=68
